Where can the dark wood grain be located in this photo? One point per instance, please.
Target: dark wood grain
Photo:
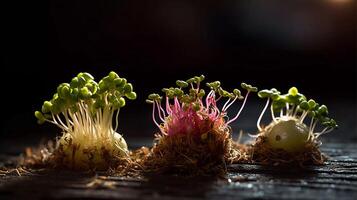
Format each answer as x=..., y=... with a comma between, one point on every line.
x=335, y=180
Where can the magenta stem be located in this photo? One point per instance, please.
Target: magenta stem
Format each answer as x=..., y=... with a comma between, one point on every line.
x=159, y=111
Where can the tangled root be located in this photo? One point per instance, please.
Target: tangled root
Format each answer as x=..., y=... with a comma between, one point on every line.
x=180, y=154
x=191, y=155
x=48, y=156
x=262, y=153
x=40, y=157
x=183, y=155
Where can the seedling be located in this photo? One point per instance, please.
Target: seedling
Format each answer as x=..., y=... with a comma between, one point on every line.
x=194, y=130
x=84, y=110
x=288, y=134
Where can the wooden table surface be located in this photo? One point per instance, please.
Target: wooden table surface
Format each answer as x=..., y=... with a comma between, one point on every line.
x=335, y=180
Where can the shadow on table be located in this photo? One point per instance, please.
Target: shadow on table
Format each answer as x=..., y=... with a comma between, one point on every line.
x=51, y=184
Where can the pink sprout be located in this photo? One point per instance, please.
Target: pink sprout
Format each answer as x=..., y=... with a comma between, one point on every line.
x=182, y=118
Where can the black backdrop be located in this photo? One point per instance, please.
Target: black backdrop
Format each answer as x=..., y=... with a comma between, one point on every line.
x=308, y=44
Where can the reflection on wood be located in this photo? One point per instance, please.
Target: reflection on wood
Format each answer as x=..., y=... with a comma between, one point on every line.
x=336, y=179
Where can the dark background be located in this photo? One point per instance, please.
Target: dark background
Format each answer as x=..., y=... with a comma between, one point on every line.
x=308, y=44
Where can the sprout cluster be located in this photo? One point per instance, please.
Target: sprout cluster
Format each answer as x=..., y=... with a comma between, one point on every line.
x=84, y=92
x=188, y=112
x=294, y=105
x=84, y=110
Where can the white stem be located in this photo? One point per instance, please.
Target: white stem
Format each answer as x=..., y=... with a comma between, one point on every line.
x=314, y=125
x=229, y=105
x=60, y=121
x=261, y=115
x=292, y=109
x=97, y=117
x=272, y=113
x=74, y=119
x=117, y=120
x=302, y=118
x=60, y=126
x=83, y=117
x=240, y=110
x=110, y=125
x=224, y=106
x=69, y=123
x=311, y=122
x=296, y=110
x=324, y=131
x=54, y=118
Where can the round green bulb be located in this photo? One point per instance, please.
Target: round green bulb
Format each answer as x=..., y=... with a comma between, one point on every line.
x=289, y=135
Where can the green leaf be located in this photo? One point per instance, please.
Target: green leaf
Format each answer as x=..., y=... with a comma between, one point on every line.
x=74, y=94
x=275, y=96
x=181, y=84
x=39, y=116
x=46, y=107
x=112, y=75
x=121, y=102
x=64, y=92
x=191, y=80
x=248, y=87
x=201, y=93
x=85, y=93
x=293, y=91
x=165, y=90
x=118, y=82
x=322, y=110
x=278, y=104
x=215, y=85
x=149, y=101
x=275, y=91
x=87, y=76
x=81, y=81
x=131, y=95
x=264, y=94
x=304, y=105
x=74, y=82
x=197, y=79
x=312, y=104
x=223, y=92
x=178, y=92
x=253, y=89
x=128, y=88
x=102, y=86
x=154, y=97
x=311, y=114
x=237, y=93
x=111, y=98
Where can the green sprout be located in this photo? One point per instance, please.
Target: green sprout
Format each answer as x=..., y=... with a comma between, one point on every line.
x=84, y=109
x=288, y=130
